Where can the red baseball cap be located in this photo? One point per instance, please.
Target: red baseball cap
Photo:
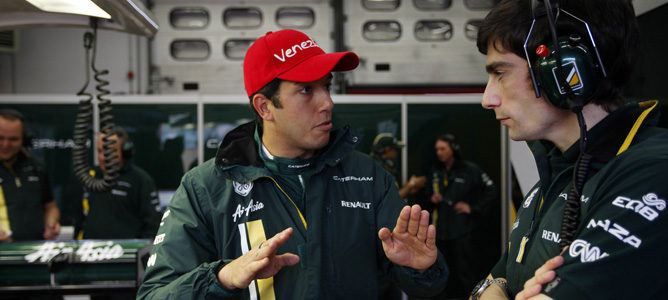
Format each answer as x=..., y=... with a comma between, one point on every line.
x=290, y=55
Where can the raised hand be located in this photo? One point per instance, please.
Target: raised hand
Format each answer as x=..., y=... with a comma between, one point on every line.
x=259, y=263
x=412, y=243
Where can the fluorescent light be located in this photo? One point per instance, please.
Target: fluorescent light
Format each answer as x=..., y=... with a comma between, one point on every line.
x=79, y=7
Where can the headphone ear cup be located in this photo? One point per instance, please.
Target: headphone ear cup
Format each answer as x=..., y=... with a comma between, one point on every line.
x=580, y=73
x=128, y=150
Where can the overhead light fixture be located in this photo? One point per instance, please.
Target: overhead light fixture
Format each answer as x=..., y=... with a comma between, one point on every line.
x=78, y=7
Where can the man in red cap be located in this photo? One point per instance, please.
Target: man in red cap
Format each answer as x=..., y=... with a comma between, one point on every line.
x=288, y=209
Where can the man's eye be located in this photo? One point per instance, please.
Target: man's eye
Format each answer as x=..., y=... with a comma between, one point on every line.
x=305, y=90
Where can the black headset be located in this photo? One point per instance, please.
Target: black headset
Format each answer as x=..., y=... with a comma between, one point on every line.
x=573, y=81
x=128, y=147
x=452, y=141
x=27, y=136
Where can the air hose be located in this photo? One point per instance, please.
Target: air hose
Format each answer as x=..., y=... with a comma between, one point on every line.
x=81, y=125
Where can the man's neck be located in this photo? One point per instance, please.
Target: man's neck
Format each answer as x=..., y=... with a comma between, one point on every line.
x=276, y=145
x=567, y=131
x=448, y=164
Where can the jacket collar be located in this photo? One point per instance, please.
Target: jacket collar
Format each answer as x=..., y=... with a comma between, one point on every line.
x=607, y=139
x=239, y=149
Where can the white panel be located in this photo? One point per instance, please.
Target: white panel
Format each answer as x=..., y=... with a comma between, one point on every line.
x=218, y=73
x=524, y=165
x=411, y=61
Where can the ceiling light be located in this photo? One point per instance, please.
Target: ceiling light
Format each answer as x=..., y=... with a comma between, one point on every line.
x=79, y=7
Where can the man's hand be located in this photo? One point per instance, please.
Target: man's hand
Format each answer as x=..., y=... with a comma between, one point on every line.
x=412, y=243
x=416, y=183
x=462, y=207
x=5, y=236
x=543, y=275
x=436, y=198
x=51, y=230
x=261, y=262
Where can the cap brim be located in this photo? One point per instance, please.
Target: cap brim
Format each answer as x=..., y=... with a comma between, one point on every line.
x=318, y=66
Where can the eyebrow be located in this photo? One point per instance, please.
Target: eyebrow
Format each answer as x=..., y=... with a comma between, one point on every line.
x=490, y=68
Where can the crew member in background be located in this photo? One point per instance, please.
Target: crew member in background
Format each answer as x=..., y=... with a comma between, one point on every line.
x=461, y=193
x=27, y=209
x=130, y=209
x=613, y=221
x=385, y=150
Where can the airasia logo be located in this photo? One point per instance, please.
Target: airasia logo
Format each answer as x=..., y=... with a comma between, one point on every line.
x=87, y=252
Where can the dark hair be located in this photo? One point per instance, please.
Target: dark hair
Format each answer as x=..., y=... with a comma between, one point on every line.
x=452, y=141
x=270, y=90
x=613, y=26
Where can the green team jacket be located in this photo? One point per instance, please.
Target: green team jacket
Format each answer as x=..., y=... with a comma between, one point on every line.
x=225, y=207
x=130, y=210
x=24, y=189
x=619, y=246
x=464, y=182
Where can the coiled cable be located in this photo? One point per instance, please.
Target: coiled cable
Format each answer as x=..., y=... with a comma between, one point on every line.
x=81, y=125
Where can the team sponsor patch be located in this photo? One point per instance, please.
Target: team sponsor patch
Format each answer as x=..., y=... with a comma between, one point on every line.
x=124, y=183
x=158, y=239
x=553, y=284
x=517, y=223
x=352, y=178
x=572, y=77
x=617, y=231
x=299, y=166
x=246, y=210
x=33, y=178
x=151, y=260
x=551, y=236
x=527, y=202
x=648, y=208
x=119, y=193
x=242, y=189
x=563, y=195
x=356, y=204
x=585, y=251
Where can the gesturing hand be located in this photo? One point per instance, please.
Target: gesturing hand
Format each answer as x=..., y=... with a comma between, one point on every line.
x=412, y=243
x=543, y=275
x=261, y=262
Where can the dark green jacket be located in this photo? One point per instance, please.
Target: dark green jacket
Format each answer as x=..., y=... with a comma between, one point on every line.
x=227, y=206
x=128, y=211
x=25, y=189
x=619, y=246
x=464, y=182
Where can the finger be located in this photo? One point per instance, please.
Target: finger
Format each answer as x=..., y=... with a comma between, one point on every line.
x=414, y=221
x=402, y=220
x=287, y=259
x=431, y=237
x=529, y=292
x=551, y=264
x=424, y=226
x=386, y=237
x=257, y=265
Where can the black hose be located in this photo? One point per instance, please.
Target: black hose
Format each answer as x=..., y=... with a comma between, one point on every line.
x=84, y=116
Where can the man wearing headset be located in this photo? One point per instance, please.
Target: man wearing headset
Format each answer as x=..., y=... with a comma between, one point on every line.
x=287, y=209
x=386, y=149
x=462, y=194
x=130, y=210
x=609, y=219
x=27, y=209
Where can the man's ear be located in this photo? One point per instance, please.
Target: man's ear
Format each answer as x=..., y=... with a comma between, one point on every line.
x=261, y=105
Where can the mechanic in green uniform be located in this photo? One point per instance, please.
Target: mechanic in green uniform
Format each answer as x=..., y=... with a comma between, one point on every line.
x=27, y=209
x=130, y=210
x=385, y=150
x=461, y=192
x=287, y=209
x=619, y=228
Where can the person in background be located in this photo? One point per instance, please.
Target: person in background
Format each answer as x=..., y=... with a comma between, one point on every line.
x=461, y=193
x=287, y=209
x=386, y=149
x=130, y=210
x=597, y=216
x=27, y=209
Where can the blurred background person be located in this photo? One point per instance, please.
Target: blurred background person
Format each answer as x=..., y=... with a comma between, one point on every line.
x=131, y=208
x=385, y=150
x=27, y=209
x=462, y=195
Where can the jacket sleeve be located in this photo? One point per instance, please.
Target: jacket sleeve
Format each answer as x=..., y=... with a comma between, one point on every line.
x=425, y=284
x=148, y=207
x=486, y=193
x=624, y=230
x=183, y=262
